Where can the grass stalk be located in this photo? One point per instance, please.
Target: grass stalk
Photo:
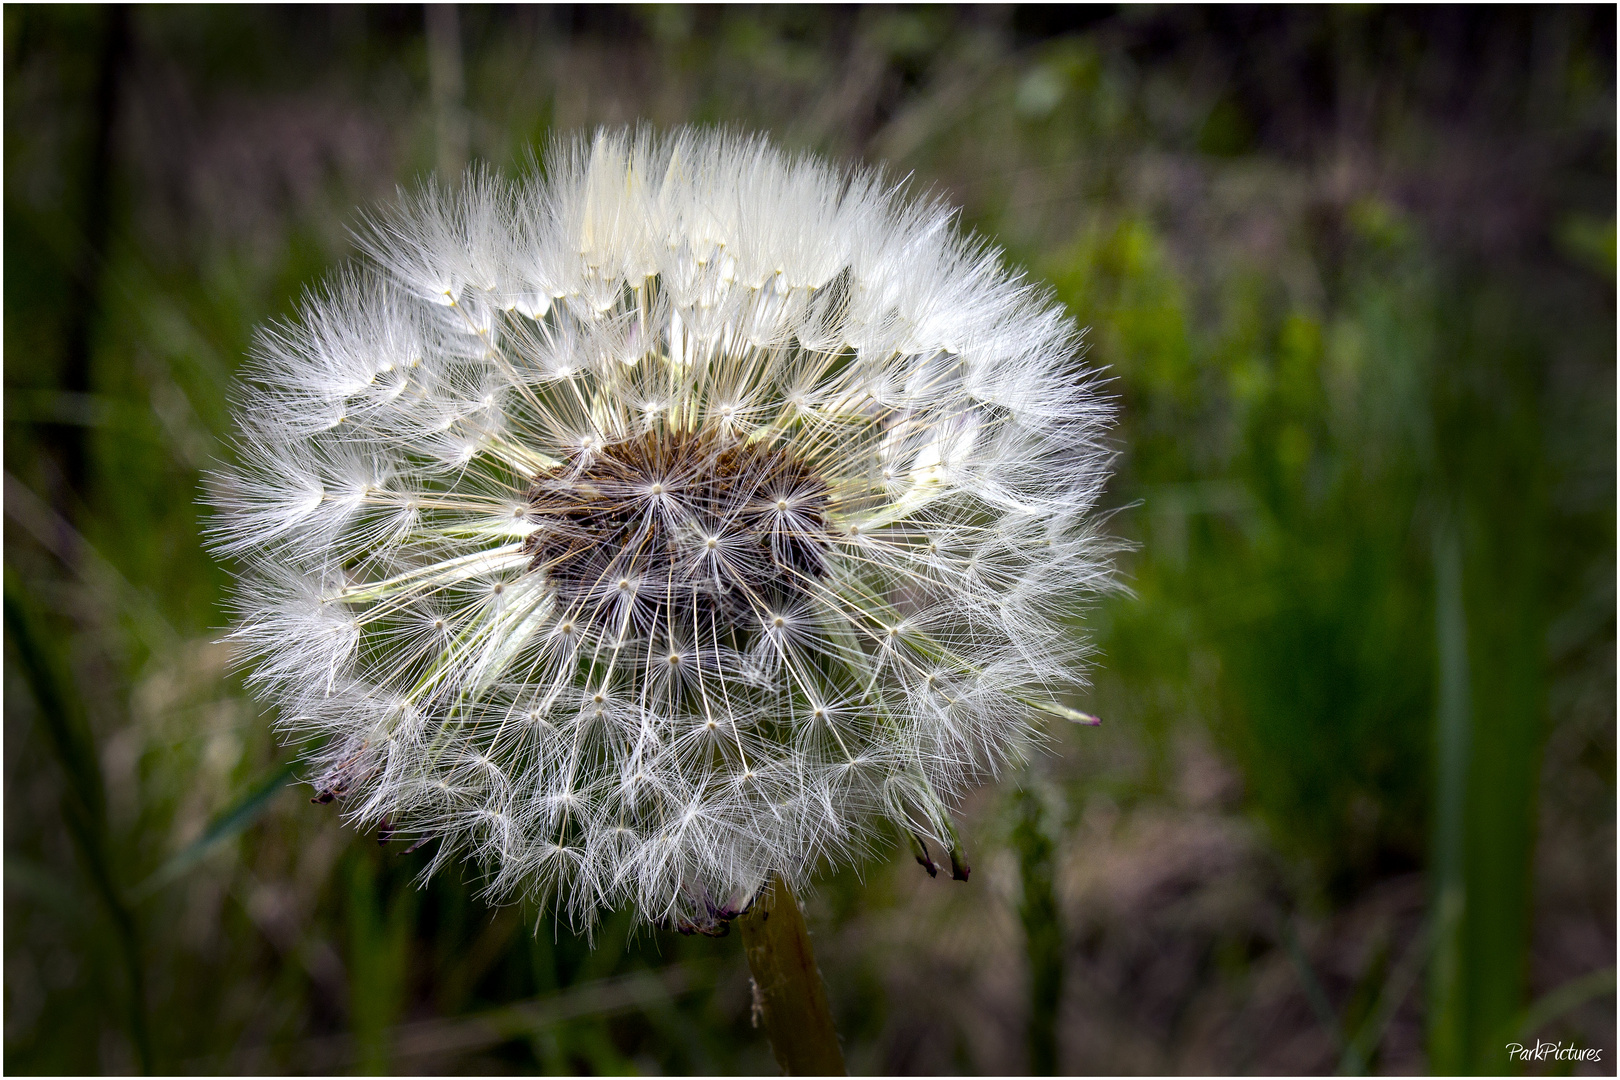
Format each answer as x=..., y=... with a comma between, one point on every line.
x=380, y=922
x=1491, y=623
x=1447, y=1013
x=84, y=801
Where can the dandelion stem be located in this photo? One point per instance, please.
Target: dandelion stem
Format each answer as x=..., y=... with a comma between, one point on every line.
x=1043, y=931
x=788, y=992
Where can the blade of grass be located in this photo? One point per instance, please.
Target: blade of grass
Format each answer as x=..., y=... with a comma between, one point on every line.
x=1314, y=993
x=379, y=948
x=28, y=876
x=57, y=535
x=443, y=1037
x=1453, y=734
x=84, y=801
x=1488, y=557
x=1358, y=1053
x=1555, y=1003
x=1503, y=535
x=228, y=823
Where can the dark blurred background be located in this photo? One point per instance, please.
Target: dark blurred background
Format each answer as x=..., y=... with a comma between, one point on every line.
x=1352, y=271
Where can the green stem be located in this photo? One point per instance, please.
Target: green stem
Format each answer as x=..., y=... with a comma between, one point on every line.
x=788, y=992
x=1043, y=931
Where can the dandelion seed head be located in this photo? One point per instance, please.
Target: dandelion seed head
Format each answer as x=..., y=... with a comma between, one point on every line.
x=617, y=524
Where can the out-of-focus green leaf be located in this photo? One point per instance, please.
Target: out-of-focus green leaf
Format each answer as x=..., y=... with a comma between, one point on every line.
x=228, y=823
x=85, y=809
x=1555, y=1003
x=1590, y=241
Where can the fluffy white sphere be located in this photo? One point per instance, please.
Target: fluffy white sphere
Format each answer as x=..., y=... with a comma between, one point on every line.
x=665, y=521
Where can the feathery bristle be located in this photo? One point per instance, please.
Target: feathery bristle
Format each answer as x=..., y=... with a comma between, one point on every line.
x=665, y=522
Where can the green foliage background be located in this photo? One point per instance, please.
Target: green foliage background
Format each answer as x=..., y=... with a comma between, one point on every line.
x=1352, y=273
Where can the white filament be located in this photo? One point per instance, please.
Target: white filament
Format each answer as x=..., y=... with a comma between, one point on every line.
x=576, y=741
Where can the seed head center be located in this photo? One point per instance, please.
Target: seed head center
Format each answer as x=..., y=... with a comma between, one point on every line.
x=595, y=533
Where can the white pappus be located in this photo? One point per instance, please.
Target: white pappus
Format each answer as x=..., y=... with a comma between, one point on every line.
x=668, y=519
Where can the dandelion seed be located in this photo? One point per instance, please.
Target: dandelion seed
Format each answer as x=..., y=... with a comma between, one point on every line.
x=618, y=525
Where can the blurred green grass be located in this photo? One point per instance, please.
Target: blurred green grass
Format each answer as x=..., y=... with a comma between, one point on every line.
x=1351, y=273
